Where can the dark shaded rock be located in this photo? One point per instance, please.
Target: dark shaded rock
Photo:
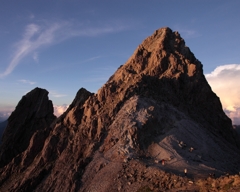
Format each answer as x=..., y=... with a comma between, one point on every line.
x=3, y=125
x=34, y=112
x=237, y=128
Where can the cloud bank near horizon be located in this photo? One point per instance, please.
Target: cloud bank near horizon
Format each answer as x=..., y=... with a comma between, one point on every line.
x=60, y=109
x=224, y=82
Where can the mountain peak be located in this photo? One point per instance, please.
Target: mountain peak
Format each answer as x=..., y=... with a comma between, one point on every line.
x=33, y=112
x=158, y=39
x=162, y=55
x=157, y=107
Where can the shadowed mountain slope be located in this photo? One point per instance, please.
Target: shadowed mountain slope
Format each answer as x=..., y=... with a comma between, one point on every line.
x=157, y=107
x=237, y=128
x=34, y=112
x=2, y=128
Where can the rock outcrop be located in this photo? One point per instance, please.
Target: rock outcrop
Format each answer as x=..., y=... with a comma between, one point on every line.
x=34, y=112
x=155, y=117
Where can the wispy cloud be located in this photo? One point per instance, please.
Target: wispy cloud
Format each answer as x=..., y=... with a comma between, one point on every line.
x=56, y=94
x=186, y=33
x=224, y=81
x=27, y=81
x=35, y=56
x=38, y=36
x=33, y=38
x=32, y=16
x=97, y=31
x=91, y=59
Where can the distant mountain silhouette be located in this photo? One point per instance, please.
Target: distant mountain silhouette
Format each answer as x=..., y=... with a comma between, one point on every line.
x=155, y=120
x=3, y=119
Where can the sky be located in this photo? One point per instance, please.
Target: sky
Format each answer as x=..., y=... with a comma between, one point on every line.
x=64, y=45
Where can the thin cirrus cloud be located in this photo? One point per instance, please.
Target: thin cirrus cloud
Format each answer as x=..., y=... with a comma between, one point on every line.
x=27, y=81
x=91, y=59
x=56, y=94
x=35, y=56
x=224, y=82
x=186, y=33
x=38, y=36
x=33, y=38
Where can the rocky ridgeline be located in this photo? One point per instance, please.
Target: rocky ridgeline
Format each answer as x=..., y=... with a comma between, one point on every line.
x=33, y=113
x=155, y=117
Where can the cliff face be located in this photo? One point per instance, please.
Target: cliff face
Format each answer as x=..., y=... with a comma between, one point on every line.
x=157, y=107
x=34, y=112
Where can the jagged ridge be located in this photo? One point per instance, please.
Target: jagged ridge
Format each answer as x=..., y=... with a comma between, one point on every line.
x=156, y=99
x=34, y=112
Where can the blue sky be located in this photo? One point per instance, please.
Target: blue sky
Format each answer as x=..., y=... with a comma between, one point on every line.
x=68, y=44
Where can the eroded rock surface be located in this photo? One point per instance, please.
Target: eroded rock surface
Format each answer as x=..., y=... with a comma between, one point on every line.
x=33, y=113
x=155, y=117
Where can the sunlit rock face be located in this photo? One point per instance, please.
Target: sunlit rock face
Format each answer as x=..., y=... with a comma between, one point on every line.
x=155, y=117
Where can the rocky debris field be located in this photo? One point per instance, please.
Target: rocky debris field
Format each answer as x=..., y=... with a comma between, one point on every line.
x=145, y=176
x=152, y=179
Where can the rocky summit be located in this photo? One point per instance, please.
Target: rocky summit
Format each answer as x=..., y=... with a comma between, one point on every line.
x=33, y=113
x=155, y=125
